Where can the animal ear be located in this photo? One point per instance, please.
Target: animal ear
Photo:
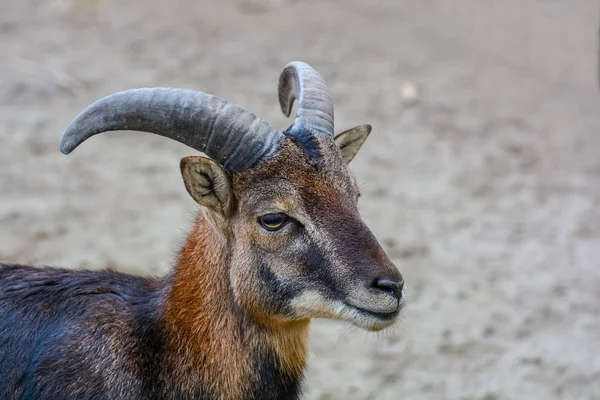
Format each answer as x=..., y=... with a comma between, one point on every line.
x=208, y=184
x=351, y=141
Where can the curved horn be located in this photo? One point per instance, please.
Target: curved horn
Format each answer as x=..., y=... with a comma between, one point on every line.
x=232, y=136
x=315, y=111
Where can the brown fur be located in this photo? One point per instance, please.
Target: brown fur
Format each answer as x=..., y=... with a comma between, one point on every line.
x=198, y=316
x=200, y=313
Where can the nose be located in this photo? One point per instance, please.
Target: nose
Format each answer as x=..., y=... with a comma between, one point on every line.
x=391, y=287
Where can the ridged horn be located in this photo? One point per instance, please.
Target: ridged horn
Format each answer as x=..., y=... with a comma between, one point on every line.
x=232, y=136
x=300, y=81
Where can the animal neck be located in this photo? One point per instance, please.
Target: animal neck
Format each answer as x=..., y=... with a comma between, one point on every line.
x=220, y=347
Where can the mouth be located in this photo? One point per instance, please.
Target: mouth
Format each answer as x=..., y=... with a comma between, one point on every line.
x=384, y=316
x=369, y=319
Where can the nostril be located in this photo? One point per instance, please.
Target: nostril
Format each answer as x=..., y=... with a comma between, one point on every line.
x=401, y=286
x=390, y=287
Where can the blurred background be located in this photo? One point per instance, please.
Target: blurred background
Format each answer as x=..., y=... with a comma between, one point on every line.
x=481, y=177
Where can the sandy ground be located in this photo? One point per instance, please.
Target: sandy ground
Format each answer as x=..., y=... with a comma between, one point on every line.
x=486, y=193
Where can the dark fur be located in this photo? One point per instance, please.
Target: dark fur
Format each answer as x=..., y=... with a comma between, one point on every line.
x=68, y=334
x=306, y=141
x=274, y=383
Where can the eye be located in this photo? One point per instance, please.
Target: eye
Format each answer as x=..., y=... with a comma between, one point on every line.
x=273, y=222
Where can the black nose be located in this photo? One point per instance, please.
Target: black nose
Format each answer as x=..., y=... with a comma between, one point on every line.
x=390, y=287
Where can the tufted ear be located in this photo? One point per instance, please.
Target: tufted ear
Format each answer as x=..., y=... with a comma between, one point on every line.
x=208, y=184
x=350, y=141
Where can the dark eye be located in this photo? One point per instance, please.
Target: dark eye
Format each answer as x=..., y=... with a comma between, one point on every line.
x=273, y=222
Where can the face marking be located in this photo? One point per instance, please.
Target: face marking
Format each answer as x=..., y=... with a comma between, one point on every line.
x=317, y=306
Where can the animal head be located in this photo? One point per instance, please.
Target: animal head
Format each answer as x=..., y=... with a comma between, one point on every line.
x=286, y=201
